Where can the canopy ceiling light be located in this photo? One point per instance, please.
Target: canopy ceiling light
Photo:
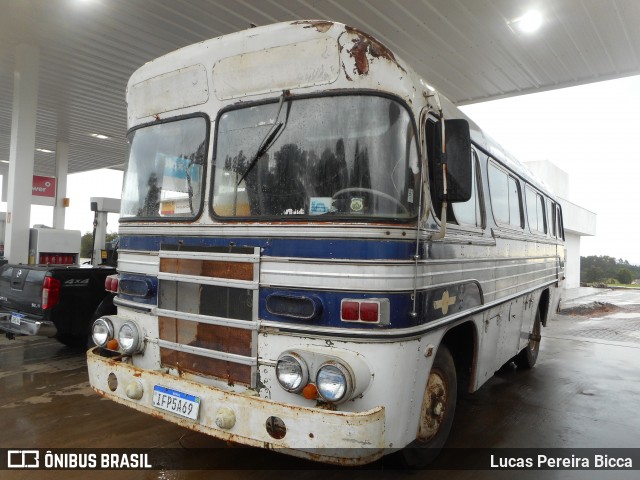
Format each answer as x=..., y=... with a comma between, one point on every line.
x=527, y=23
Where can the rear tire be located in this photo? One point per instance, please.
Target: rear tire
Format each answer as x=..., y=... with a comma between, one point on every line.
x=528, y=356
x=436, y=416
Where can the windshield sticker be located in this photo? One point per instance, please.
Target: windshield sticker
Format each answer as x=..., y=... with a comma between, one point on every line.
x=178, y=172
x=410, y=196
x=357, y=204
x=167, y=208
x=293, y=211
x=319, y=205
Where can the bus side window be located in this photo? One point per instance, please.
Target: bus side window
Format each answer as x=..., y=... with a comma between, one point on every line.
x=535, y=211
x=560, y=227
x=515, y=203
x=499, y=194
x=506, y=200
x=469, y=213
x=551, y=207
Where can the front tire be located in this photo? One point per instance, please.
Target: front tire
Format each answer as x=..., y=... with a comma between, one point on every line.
x=528, y=356
x=436, y=416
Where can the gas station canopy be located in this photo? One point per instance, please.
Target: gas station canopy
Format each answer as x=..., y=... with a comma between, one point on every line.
x=471, y=50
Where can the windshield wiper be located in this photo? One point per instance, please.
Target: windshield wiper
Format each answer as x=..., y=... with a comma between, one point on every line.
x=266, y=143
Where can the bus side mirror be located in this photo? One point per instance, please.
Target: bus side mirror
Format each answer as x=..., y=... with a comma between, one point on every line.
x=457, y=157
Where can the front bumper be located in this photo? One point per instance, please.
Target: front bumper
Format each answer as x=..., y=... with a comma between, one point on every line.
x=342, y=438
x=24, y=325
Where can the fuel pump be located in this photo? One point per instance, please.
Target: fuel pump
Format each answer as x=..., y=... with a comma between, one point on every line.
x=101, y=206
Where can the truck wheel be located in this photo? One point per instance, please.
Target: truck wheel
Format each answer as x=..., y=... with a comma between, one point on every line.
x=528, y=356
x=106, y=307
x=436, y=416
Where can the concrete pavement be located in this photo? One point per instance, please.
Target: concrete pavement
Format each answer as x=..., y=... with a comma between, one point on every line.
x=583, y=393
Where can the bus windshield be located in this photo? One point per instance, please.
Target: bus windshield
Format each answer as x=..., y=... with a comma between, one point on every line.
x=164, y=173
x=322, y=158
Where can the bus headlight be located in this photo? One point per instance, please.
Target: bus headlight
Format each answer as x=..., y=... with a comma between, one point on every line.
x=334, y=382
x=129, y=338
x=102, y=331
x=292, y=372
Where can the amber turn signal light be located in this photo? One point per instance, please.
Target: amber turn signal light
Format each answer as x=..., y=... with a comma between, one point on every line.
x=310, y=392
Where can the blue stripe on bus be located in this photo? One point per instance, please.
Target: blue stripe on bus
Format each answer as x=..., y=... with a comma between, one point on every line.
x=400, y=304
x=286, y=247
x=431, y=304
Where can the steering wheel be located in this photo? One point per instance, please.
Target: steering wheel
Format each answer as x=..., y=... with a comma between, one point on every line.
x=377, y=193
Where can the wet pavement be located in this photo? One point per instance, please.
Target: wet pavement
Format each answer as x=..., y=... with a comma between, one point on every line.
x=583, y=393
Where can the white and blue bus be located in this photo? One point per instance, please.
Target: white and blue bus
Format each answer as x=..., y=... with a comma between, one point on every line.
x=317, y=250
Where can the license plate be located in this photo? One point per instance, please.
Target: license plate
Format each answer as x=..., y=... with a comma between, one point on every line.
x=16, y=318
x=176, y=402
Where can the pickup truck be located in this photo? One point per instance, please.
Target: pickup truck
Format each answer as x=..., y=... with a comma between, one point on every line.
x=53, y=300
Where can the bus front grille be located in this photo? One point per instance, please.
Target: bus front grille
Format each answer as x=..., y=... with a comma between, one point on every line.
x=208, y=310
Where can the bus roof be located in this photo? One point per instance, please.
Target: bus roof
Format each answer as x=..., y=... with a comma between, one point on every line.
x=304, y=56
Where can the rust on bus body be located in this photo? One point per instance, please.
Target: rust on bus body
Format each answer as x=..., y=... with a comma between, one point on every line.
x=207, y=268
x=365, y=45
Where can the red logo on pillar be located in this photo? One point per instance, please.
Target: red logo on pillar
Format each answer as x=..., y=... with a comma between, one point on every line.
x=44, y=186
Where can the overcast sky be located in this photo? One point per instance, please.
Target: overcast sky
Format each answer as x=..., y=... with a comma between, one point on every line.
x=590, y=132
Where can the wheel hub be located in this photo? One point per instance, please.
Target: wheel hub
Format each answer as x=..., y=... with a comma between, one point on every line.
x=434, y=408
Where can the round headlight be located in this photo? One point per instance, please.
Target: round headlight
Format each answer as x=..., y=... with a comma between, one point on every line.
x=102, y=331
x=129, y=338
x=292, y=372
x=334, y=382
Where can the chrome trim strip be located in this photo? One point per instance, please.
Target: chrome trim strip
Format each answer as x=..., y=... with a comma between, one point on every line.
x=401, y=276
x=121, y=302
x=195, y=317
x=131, y=261
x=221, y=257
x=218, y=281
x=203, y=352
x=266, y=229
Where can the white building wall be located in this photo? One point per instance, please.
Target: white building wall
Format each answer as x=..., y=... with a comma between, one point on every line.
x=572, y=265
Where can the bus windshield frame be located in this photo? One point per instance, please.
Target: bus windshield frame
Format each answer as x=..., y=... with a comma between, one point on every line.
x=164, y=178
x=338, y=157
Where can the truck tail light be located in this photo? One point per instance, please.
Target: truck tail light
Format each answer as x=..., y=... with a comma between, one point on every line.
x=350, y=311
x=111, y=283
x=371, y=310
x=50, y=292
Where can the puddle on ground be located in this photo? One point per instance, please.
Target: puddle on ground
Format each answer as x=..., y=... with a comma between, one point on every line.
x=83, y=389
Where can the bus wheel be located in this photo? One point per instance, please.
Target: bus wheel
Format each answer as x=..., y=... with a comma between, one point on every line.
x=528, y=355
x=436, y=416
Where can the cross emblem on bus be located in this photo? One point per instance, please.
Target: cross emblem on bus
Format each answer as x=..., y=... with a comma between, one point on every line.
x=444, y=303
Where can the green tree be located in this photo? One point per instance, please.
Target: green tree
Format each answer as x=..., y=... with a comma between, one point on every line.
x=601, y=268
x=625, y=276
x=86, y=242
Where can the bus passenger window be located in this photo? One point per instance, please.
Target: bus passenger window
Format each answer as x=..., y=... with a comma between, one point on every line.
x=535, y=211
x=515, y=217
x=504, y=191
x=560, y=227
x=469, y=212
x=552, y=220
x=499, y=193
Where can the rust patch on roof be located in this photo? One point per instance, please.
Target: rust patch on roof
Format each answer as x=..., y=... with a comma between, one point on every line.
x=320, y=25
x=366, y=44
